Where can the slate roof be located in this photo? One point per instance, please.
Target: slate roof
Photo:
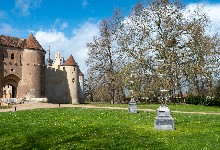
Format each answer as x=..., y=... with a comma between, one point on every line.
x=29, y=43
x=70, y=62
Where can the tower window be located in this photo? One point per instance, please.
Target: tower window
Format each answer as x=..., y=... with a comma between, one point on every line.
x=20, y=59
x=12, y=56
x=3, y=57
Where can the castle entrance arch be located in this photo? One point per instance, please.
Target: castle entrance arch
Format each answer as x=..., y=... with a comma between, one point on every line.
x=10, y=85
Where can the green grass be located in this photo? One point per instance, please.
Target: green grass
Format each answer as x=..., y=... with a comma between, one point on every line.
x=173, y=107
x=78, y=128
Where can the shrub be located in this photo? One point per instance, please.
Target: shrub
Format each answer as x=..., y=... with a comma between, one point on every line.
x=202, y=100
x=196, y=100
x=213, y=102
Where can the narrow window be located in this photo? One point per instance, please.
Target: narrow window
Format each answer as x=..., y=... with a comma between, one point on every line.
x=74, y=68
x=3, y=57
x=20, y=59
x=63, y=68
x=12, y=56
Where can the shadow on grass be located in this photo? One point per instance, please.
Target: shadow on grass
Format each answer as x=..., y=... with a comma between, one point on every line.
x=89, y=138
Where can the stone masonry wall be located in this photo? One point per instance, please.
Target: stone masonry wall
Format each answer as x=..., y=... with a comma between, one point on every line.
x=56, y=87
x=31, y=85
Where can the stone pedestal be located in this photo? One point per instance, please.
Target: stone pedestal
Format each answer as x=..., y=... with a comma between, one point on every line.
x=132, y=108
x=163, y=120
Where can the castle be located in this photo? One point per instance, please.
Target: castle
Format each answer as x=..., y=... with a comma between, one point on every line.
x=24, y=75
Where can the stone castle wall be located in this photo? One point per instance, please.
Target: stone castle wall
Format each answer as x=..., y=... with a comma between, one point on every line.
x=24, y=69
x=56, y=86
x=32, y=74
x=12, y=61
x=81, y=89
x=72, y=77
x=62, y=83
x=22, y=66
x=1, y=71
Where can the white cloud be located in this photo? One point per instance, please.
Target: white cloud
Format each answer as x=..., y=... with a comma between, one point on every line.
x=57, y=21
x=3, y=14
x=75, y=45
x=50, y=36
x=212, y=10
x=85, y=3
x=60, y=25
x=24, y=6
x=63, y=26
x=6, y=29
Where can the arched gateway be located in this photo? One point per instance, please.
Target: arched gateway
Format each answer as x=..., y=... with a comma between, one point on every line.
x=10, y=85
x=22, y=68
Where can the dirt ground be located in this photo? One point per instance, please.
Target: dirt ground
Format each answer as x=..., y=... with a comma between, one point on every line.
x=33, y=105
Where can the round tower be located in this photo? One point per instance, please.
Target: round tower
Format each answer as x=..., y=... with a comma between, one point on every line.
x=81, y=87
x=33, y=69
x=1, y=72
x=72, y=71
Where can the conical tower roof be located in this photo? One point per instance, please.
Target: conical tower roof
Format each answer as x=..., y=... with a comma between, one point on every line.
x=70, y=62
x=80, y=73
x=32, y=43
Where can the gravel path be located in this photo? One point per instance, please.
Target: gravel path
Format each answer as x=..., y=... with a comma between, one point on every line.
x=33, y=105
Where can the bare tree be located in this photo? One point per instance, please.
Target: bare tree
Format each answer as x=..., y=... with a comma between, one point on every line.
x=103, y=58
x=201, y=53
x=160, y=30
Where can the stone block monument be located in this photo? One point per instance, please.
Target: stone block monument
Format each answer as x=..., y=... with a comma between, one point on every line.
x=132, y=108
x=163, y=120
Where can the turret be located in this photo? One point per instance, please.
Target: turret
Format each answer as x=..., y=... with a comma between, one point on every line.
x=72, y=70
x=1, y=72
x=57, y=61
x=81, y=87
x=33, y=71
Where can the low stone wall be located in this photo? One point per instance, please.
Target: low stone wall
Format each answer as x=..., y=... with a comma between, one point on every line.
x=45, y=100
x=9, y=100
x=16, y=100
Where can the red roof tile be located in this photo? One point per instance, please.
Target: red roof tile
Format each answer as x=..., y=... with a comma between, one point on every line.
x=70, y=62
x=30, y=42
x=80, y=73
x=11, y=41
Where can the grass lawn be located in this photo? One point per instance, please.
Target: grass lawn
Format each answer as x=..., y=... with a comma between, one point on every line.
x=80, y=128
x=173, y=107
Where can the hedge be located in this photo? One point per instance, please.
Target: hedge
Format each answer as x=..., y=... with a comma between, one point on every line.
x=202, y=100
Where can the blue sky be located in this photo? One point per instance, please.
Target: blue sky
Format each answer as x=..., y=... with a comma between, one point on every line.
x=66, y=26
x=26, y=15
